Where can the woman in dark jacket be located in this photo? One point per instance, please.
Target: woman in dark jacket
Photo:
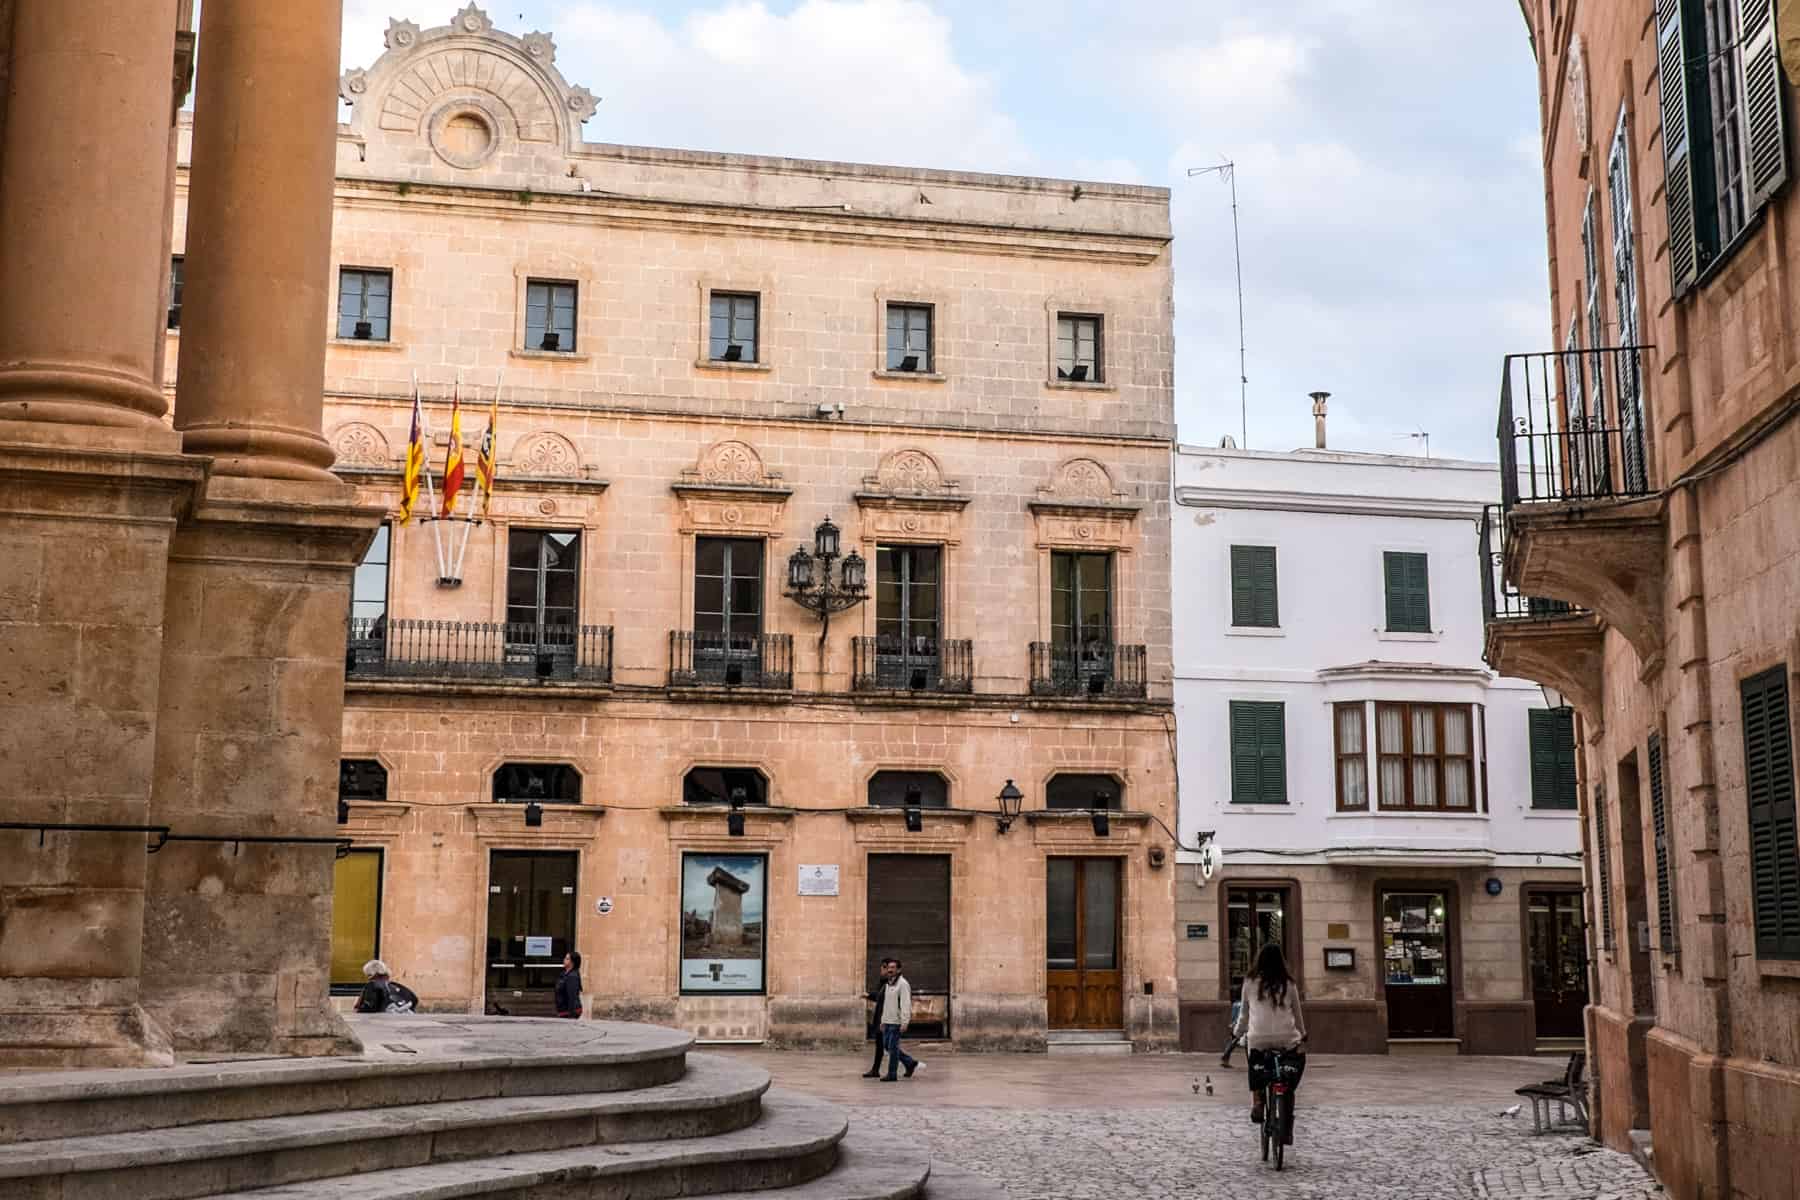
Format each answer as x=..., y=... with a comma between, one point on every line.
x=568, y=987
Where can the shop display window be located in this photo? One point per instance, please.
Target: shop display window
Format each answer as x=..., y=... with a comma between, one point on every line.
x=1414, y=938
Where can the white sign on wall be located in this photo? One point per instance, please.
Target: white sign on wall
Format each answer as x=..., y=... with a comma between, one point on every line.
x=818, y=879
x=538, y=947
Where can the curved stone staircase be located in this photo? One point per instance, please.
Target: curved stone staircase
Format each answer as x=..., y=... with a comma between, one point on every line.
x=438, y=1108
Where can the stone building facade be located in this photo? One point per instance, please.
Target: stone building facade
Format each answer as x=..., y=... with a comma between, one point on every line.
x=700, y=357
x=1400, y=820
x=1652, y=552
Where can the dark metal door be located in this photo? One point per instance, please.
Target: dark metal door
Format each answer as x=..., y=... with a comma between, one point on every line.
x=1558, y=962
x=1083, y=981
x=531, y=925
x=909, y=919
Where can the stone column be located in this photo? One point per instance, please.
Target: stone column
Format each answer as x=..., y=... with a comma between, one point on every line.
x=237, y=936
x=259, y=238
x=83, y=177
x=91, y=490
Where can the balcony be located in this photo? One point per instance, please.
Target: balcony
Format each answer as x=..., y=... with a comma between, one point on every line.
x=890, y=663
x=1098, y=670
x=385, y=649
x=731, y=660
x=1580, y=524
x=1532, y=637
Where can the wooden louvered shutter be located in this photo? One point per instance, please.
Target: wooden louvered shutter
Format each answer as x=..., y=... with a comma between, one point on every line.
x=1258, y=753
x=1765, y=142
x=1253, y=593
x=1408, y=579
x=1659, y=820
x=1543, y=758
x=1674, y=78
x=1603, y=840
x=1769, y=792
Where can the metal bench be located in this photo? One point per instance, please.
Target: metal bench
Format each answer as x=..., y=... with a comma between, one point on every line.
x=1568, y=1092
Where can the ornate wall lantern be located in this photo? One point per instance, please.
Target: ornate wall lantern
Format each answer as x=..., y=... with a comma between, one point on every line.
x=1011, y=799
x=810, y=581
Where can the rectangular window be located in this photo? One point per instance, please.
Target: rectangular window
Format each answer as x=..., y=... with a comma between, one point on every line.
x=1253, y=595
x=1351, y=738
x=732, y=327
x=1254, y=917
x=1426, y=757
x=1668, y=934
x=1408, y=580
x=363, y=303
x=1080, y=598
x=907, y=592
x=177, y=267
x=1552, y=735
x=728, y=586
x=1625, y=299
x=1724, y=145
x=1603, y=840
x=543, y=570
x=1258, y=752
x=1080, y=349
x=1769, y=793
x=909, y=337
x=355, y=917
x=368, y=594
x=550, y=315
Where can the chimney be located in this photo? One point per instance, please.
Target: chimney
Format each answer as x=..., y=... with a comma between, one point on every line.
x=1318, y=399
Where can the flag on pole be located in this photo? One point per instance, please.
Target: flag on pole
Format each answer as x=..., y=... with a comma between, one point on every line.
x=415, y=459
x=453, y=457
x=484, y=461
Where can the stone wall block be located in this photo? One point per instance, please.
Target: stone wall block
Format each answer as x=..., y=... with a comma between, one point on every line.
x=70, y=932
x=106, y=580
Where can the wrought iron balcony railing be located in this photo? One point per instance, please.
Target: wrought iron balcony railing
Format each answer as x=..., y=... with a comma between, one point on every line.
x=754, y=660
x=380, y=648
x=1098, y=669
x=1572, y=425
x=1500, y=600
x=889, y=663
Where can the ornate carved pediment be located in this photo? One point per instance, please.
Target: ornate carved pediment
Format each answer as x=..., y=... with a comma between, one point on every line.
x=729, y=491
x=468, y=88
x=544, y=455
x=908, y=499
x=359, y=444
x=1081, y=509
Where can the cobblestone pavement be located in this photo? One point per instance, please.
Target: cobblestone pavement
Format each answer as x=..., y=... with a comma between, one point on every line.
x=1368, y=1128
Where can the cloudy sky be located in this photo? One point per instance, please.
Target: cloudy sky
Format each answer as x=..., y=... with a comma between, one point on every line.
x=1391, y=209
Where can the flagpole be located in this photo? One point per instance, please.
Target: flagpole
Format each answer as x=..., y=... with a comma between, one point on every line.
x=462, y=551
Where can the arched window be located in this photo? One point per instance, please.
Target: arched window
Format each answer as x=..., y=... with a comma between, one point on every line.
x=361, y=779
x=714, y=785
x=889, y=789
x=546, y=783
x=1084, y=792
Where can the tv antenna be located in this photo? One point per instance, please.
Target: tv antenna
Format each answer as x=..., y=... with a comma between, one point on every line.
x=1227, y=171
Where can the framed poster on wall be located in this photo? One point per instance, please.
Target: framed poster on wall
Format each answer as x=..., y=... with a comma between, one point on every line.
x=724, y=934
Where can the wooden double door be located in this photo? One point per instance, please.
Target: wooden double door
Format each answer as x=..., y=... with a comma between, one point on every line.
x=1083, y=980
x=1558, y=942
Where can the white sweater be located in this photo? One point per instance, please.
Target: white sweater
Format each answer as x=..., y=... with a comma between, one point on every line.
x=1270, y=1026
x=896, y=1003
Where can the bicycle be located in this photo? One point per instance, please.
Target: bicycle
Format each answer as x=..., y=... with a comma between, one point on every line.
x=1278, y=1102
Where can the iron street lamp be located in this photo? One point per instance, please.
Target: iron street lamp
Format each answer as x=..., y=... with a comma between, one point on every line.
x=810, y=583
x=1011, y=799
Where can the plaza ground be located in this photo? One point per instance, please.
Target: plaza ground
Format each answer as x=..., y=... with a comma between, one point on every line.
x=1370, y=1127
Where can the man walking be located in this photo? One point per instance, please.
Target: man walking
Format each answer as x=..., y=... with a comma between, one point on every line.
x=896, y=1016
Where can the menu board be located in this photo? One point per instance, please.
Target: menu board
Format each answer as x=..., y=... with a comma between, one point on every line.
x=1413, y=939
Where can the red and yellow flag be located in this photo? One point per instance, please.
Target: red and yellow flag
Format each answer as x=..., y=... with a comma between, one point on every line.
x=415, y=461
x=453, y=458
x=484, y=460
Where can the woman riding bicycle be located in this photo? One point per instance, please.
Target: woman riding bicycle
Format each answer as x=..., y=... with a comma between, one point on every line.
x=1270, y=1020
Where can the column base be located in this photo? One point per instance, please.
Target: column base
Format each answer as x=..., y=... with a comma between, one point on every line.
x=61, y=1039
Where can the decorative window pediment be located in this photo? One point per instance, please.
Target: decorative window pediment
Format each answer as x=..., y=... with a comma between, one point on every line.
x=1082, y=509
x=729, y=491
x=908, y=499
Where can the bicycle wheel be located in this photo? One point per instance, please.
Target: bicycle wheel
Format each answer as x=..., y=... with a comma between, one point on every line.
x=1267, y=1117
x=1278, y=1117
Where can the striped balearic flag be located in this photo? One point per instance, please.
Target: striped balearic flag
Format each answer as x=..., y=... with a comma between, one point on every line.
x=415, y=460
x=453, y=458
x=484, y=460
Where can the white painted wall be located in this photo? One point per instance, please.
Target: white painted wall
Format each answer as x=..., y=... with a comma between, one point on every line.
x=1331, y=516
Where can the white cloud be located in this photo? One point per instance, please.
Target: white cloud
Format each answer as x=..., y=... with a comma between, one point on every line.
x=1242, y=71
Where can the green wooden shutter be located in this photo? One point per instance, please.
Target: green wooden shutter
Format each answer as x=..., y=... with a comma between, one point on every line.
x=1408, y=579
x=1659, y=820
x=1769, y=791
x=1546, y=759
x=1253, y=595
x=1765, y=149
x=1258, y=753
x=1675, y=30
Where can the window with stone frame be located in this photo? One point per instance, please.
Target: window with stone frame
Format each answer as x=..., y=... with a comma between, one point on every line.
x=543, y=783
x=1081, y=791
x=177, y=268
x=909, y=337
x=897, y=789
x=550, y=315
x=365, y=296
x=543, y=575
x=732, y=327
x=1080, y=348
x=715, y=785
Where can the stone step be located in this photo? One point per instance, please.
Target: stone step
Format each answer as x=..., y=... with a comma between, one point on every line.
x=715, y=1096
x=794, y=1143
x=869, y=1167
x=1087, y=1041
x=954, y=1183
x=406, y=1061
